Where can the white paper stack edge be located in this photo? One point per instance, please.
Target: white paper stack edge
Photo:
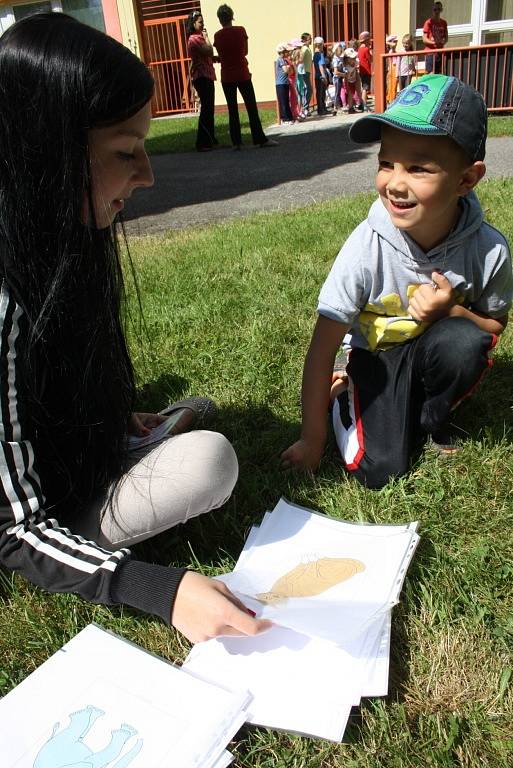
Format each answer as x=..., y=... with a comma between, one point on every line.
x=330, y=645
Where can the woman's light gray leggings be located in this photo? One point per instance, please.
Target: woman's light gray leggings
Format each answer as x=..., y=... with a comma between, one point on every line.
x=167, y=483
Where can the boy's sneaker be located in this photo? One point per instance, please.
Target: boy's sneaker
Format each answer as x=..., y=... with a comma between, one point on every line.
x=447, y=440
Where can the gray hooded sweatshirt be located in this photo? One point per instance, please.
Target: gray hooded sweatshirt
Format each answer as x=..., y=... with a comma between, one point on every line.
x=379, y=268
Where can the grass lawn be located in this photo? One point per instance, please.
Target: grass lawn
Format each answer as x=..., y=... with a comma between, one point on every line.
x=229, y=311
x=500, y=125
x=178, y=134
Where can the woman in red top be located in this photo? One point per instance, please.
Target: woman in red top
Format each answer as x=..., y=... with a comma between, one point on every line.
x=232, y=46
x=203, y=75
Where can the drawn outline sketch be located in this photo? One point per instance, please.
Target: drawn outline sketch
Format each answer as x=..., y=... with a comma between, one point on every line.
x=312, y=578
x=65, y=748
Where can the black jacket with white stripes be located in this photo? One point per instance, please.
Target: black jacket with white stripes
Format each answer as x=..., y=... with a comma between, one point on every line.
x=37, y=546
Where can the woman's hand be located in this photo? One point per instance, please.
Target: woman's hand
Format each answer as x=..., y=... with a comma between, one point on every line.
x=141, y=424
x=205, y=608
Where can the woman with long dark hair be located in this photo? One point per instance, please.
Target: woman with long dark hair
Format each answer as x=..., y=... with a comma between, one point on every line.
x=74, y=113
x=203, y=76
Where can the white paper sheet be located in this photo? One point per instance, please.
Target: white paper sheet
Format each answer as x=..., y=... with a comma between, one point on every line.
x=140, y=709
x=297, y=545
x=297, y=683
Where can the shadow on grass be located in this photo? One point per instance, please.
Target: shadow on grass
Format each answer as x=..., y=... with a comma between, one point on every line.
x=155, y=395
x=489, y=411
x=194, y=178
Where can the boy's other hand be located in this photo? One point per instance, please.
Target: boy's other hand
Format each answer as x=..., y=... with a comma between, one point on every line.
x=302, y=455
x=432, y=301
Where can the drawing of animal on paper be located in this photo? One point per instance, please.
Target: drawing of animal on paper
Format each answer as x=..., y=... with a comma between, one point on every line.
x=312, y=578
x=66, y=749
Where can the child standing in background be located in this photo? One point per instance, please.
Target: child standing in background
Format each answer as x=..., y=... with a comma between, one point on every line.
x=365, y=65
x=292, y=59
x=392, y=69
x=350, y=76
x=337, y=64
x=407, y=64
x=321, y=77
x=281, y=79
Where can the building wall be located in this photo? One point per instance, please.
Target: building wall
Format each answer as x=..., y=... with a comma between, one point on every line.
x=267, y=24
x=402, y=18
x=129, y=26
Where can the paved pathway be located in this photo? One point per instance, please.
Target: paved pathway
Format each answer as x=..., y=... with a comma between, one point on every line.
x=315, y=161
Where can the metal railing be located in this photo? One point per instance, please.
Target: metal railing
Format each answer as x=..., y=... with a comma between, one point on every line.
x=344, y=19
x=488, y=68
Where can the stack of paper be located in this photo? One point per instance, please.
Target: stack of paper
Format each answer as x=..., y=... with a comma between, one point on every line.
x=329, y=587
x=101, y=701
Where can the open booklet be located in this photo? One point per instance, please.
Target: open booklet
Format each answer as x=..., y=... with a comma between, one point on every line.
x=323, y=577
x=102, y=701
x=329, y=586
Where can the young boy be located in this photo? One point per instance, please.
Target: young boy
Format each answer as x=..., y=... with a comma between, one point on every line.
x=419, y=292
x=321, y=77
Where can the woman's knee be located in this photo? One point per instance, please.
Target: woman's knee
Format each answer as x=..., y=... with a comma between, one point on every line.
x=217, y=462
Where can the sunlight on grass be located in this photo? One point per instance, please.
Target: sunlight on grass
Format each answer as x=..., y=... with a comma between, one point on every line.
x=178, y=134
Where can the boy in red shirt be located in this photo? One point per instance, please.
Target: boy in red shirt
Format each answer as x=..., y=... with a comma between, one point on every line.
x=434, y=35
x=365, y=60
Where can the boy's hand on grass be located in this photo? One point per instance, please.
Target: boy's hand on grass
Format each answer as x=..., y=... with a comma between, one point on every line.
x=431, y=302
x=302, y=455
x=205, y=608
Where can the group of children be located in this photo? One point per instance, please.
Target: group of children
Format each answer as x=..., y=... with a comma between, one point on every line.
x=341, y=72
x=417, y=298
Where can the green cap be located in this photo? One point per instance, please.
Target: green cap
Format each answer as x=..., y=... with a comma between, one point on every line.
x=433, y=105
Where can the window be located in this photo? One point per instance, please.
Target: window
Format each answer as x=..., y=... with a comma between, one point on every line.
x=22, y=11
x=497, y=10
x=454, y=11
x=88, y=11
x=471, y=22
x=489, y=38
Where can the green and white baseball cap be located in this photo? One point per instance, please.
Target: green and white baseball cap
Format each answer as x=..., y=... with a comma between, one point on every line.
x=433, y=105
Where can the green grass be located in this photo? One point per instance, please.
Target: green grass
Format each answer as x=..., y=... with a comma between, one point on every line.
x=229, y=312
x=178, y=134
x=169, y=135
x=500, y=125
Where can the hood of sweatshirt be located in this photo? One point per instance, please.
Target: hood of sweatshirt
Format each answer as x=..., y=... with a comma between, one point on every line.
x=471, y=218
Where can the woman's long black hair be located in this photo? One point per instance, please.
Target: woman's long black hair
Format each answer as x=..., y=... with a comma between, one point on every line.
x=190, y=22
x=58, y=79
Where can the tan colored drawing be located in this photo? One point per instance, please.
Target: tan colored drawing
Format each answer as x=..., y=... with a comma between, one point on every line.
x=308, y=579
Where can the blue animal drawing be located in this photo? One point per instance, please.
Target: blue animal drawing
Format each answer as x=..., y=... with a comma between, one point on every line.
x=65, y=748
